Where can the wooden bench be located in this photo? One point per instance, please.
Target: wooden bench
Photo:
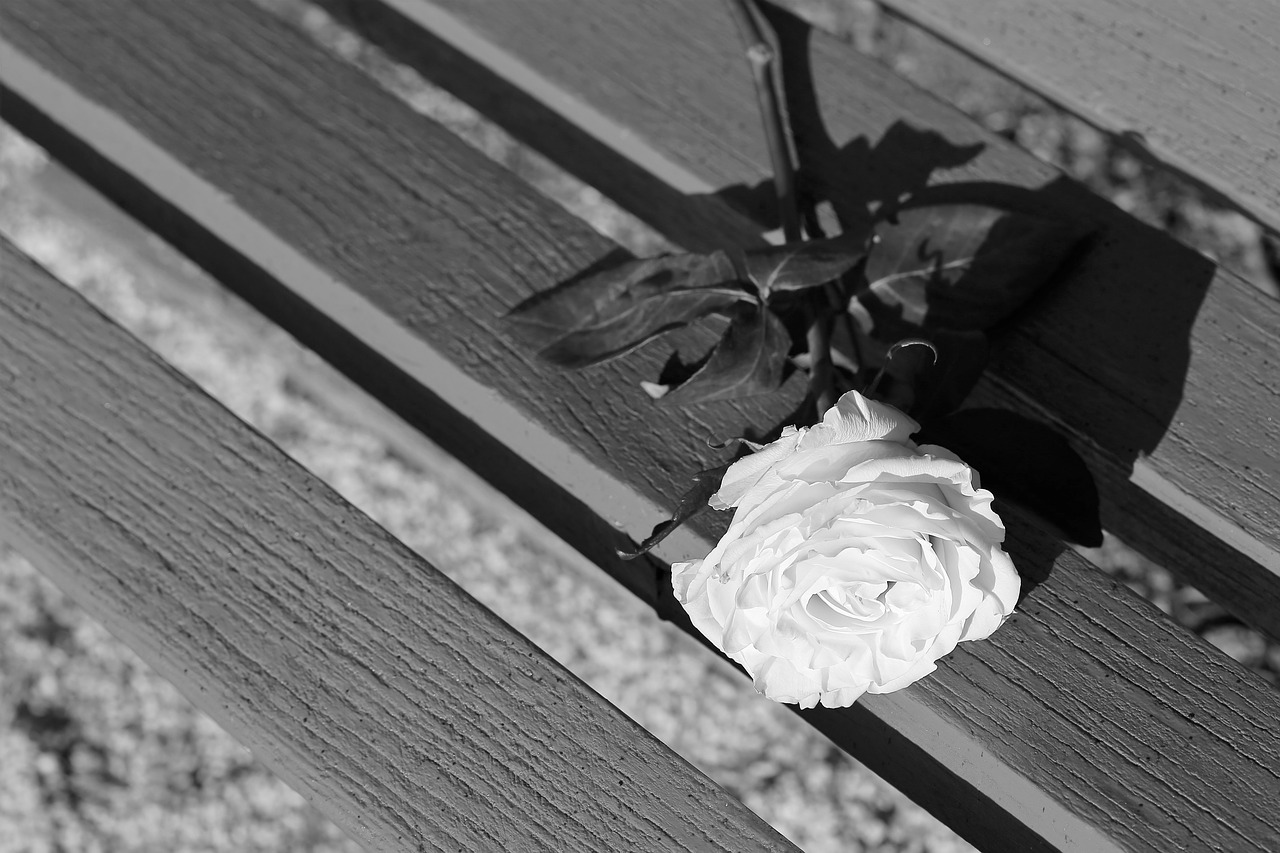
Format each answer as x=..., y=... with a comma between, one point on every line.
x=402, y=708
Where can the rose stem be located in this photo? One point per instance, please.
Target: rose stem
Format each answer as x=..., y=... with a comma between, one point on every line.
x=822, y=380
x=760, y=55
x=810, y=139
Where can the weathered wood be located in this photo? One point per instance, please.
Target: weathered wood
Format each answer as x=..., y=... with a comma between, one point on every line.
x=1190, y=84
x=402, y=707
x=1170, y=412
x=1088, y=723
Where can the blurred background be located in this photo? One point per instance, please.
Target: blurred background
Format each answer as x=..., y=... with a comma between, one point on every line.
x=97, y=753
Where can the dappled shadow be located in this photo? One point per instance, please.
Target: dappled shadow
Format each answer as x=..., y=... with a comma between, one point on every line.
x=843, y=184
x=855, y=177
x=1017, y=457
x=1101, y=351
x=1100, y=354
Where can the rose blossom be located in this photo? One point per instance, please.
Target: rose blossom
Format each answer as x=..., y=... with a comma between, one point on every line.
x=855, y=559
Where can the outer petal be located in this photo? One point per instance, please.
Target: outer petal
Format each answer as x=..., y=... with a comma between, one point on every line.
x=940, y=451
x=842, y=697
x=698, y=606
x=917, y=672
x=833, y=461
x=855, y=418
x=1001, y=582
x=749, y=470
x=683, y=576
x=782, y=681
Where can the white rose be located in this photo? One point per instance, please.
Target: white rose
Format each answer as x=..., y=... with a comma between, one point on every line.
x=855, y=559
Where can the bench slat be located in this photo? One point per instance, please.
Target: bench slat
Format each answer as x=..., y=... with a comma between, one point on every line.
x=1191, y=84
x=369, y=681
x=1156, y=363
x=1088, y=723
x=1169, y=413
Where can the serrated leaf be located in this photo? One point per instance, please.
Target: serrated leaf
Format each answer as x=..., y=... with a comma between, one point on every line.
x=959, y=266
x=812, y=263
x=705, y=484
x=749, y=359
x=611, y=312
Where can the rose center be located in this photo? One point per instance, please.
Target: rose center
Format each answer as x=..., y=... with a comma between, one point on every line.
x=902, y=597
x=841, y=604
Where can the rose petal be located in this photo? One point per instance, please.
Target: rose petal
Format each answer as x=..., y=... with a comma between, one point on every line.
x=851, y=566
x=832, y=462
x=853, y=562
x=962, y=564
x=789, y=500
x=908, y=469
x=911, y=676
x=683, y=576
x=1002, y=582
x=843, y=697
x=855, y=418
x=986, y=618
x=782, y=681
x=749, y=470
x=999, y=601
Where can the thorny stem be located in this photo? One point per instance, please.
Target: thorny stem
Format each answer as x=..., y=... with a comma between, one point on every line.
x=760, y=54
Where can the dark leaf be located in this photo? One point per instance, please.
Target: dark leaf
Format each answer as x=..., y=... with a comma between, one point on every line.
x=962, y=356
x=610, y=312
x=1027, y=463
x=795, y=266
x=749, y=359
x=958, y=266
x=929, y=383
x=905, y=364
x=705, y=484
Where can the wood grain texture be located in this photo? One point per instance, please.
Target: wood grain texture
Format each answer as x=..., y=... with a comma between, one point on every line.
x=1176, y=409
x=401, y=706
x=1190, y=84
x=1088, y=723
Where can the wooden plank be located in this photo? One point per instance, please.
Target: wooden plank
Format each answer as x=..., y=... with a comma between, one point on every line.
x=1173, y=414
x=1088, y=723
x=1189, y=84
x=369, y=681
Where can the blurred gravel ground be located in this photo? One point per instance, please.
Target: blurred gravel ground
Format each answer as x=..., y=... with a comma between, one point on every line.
x=97, y=753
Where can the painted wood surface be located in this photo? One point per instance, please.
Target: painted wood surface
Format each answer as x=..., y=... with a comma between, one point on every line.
x=1190, y=84
x=1089, y=722
x=1159, y=365
x=368, y=680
